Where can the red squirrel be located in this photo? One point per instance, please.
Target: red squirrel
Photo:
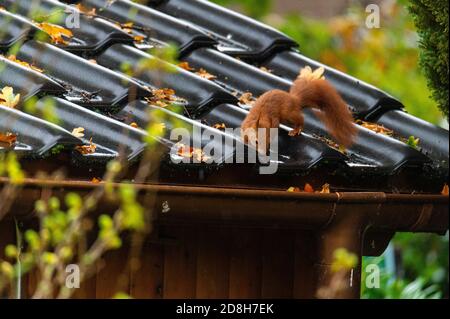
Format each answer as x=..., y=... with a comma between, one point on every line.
x=310, y=89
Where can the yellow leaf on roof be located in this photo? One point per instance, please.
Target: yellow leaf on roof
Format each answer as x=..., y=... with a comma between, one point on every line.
x=8, y=98
x=308, y=74
x=78, y=132
x=57, y=33
x=14, y=59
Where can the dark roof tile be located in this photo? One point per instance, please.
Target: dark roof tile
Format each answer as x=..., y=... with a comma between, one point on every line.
x=36, y=137
x=210, y=38
x=90, y=35
x=14, y=29
x=157, y=24
x=200, y=94
x=236, y=33
x=88, y=83
x=26, y=81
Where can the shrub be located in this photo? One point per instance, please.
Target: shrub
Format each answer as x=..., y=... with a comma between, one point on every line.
x=431, y=19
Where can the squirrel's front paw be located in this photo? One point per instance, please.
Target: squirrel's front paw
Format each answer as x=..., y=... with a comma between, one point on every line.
x=295, y=132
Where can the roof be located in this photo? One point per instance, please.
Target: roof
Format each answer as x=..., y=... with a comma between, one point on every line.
x=100, y=97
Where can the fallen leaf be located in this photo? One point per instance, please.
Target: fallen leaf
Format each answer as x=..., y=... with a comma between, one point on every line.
x=86, y=11
x=139, y=38
x=308, y=74
x=445, y=190
x=8, y=98
x=186, y=66
x=413, y=142
x=87, y=149
x=57, y=34
x=127, y=27
x=185, y=151
x=96, y=180
x=13, y=58
x=8, y=139
x=294, y=190
x=263, y=68
x=205, y=74
x=78, y=132
x=308, y=188
x=134, y=124
x=191, y=152
x=332, y=143
x=325, y=189
x=162, y=97
x=220, y=126
x=247, y=98
x=377, y=128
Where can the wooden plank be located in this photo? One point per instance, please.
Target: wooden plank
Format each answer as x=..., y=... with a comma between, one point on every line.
x=31, y=281
x=147, y=281
x=88, y=289
x=180, y=264
x=213, y=263
x=7, y=237
x=304, y=277
x=112, y=275
x=278, y=264
x=245, y=264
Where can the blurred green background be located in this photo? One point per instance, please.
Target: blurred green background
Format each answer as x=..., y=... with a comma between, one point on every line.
x=415, y=265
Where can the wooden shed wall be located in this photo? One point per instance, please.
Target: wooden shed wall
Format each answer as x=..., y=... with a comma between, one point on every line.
x=207, y=262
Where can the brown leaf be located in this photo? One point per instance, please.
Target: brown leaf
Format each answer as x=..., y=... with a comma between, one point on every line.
x=247, y=98
x=127, y=27
x=57, y=34
x=185, y=151
x=186, y=66
x=205, y=74
x=190, y=152
x=96, y=180
x=377, y=128
x=445, y=190
x=308, y=188
x=13, y=58
x=87, y=149
x=162, y=97
x=8, y=139
x=92, y=12
x=220, y=126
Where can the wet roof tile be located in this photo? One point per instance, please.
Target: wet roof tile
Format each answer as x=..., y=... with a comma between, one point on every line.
x=89, y=87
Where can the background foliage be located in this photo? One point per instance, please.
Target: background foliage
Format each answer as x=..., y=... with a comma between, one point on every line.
x=389, y=59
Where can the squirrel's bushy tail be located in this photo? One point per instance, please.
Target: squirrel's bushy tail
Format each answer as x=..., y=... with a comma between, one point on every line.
x=316, y=92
